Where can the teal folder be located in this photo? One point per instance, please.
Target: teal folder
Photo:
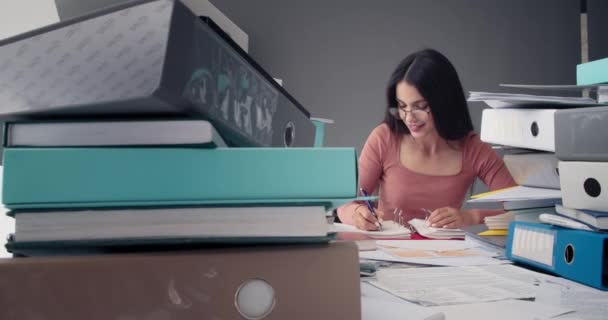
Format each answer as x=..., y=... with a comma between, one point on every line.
x=577, y=255
x=84, y=177
x=593, y=72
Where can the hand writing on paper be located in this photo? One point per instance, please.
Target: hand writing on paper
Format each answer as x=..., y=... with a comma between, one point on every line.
x=365, y=220
x=449, y=218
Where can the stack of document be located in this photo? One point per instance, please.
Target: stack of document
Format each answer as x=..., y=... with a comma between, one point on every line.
x=510, y=100
x=499, y=222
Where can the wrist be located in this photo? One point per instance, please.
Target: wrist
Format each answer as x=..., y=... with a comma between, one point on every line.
x=472, y=217
x=354, y=213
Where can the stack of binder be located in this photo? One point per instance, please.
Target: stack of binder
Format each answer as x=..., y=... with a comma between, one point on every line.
x=583, y=164
x=141, y=155
x=144, y=129
x=580, y=146
x=527, y=136
x=583, y=152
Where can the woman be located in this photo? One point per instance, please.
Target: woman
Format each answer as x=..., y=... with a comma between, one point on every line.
x=425, y=155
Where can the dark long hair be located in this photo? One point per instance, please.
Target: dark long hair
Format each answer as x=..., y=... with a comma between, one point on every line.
x=437, y=81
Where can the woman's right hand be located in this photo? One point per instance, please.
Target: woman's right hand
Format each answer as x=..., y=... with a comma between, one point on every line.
x=363, y=219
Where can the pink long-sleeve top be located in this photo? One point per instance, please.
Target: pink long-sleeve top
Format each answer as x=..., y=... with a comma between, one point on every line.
x=402, y=188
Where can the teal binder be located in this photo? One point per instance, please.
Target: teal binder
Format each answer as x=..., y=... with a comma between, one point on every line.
x=84, y=177
x=578, y=255
x=593, y=72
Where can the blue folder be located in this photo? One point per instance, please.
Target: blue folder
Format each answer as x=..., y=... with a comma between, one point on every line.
x=578, y=255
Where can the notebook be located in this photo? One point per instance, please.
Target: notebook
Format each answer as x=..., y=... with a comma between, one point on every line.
x=112, y=133
x=171, y=223
x=435, y=233
x=390, y=229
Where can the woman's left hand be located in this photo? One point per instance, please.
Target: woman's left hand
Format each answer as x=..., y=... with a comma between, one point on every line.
x=449, y=218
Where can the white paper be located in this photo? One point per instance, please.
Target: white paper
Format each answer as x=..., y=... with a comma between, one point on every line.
x=7, y=224
x=499, y=100
x=518, y=193
x=451, y=285
x=587, y=302
x=499, y=310
x=378, y=304
x=446, y=262
x=435, y=245
x=556, y=87
x=430, y=249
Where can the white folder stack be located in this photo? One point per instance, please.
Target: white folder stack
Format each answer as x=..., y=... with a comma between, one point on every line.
x=564, y=140
x=582, y=149
x=525, y=125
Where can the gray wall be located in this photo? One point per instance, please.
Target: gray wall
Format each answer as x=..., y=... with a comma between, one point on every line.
x=597, y=16
x=335, y=56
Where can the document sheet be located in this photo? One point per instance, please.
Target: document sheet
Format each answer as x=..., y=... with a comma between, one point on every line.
x=589, y=303
x=457, y=285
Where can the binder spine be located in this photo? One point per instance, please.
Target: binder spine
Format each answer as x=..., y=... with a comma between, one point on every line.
x=584, y=185
x=523, y=128
x=534, y=169
x=581, y=256
x=532, y=245
x=581, y=134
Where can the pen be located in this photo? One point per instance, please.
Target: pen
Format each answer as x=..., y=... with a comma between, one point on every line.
x=371, y=208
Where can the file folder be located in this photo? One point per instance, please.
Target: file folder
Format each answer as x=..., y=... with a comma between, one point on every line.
x=272, y=282
x=592, y=72
x=523, y=128
x=100, y=177
x=578, y=255
x=534, y=169
x=584, y=185
x=151, y=58
x=581, y=134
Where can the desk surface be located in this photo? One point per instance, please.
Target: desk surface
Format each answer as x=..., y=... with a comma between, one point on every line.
x=556, y=298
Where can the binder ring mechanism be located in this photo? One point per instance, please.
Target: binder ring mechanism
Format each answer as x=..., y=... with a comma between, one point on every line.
x=569, y=254
x=289, y=134
x=534, y=129
x=255, y=299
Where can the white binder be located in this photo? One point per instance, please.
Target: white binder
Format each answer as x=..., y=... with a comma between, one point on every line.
x=523, y=128
x=584, y=185
x=538, y=169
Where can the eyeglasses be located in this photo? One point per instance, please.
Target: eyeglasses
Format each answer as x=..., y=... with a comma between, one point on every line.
x=418, y=113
